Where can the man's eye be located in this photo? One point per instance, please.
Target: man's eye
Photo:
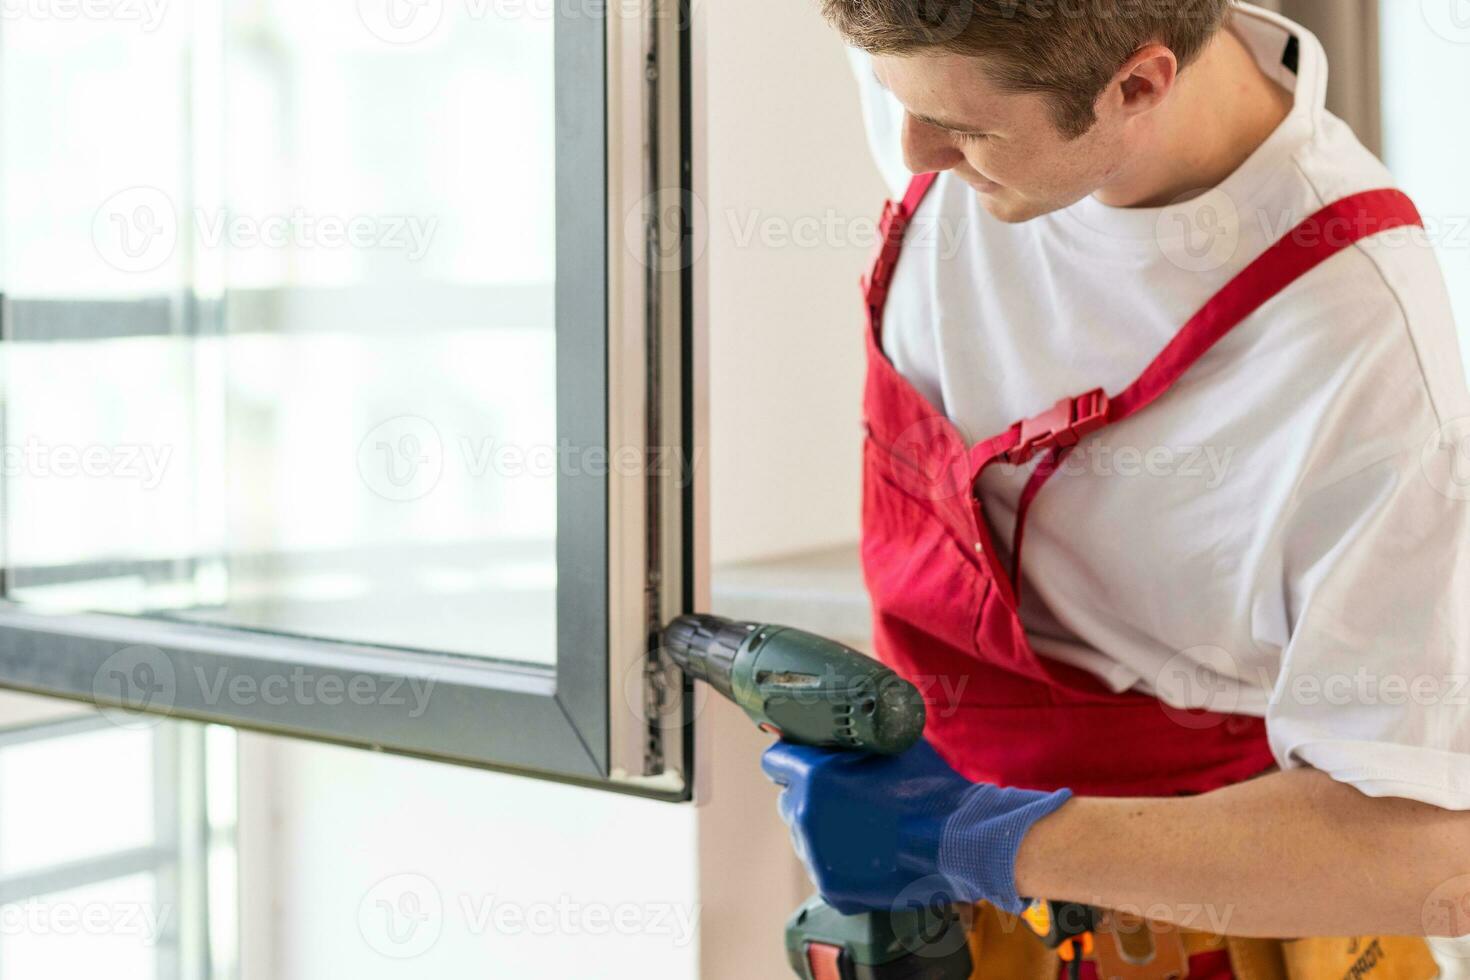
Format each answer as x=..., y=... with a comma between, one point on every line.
x=972, y=137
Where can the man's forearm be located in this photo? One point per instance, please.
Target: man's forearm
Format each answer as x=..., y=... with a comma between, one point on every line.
x=1289, y=854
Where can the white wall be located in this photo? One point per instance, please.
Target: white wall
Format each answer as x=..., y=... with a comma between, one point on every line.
x=329, y=834
x=792, y=199
x=375, y=867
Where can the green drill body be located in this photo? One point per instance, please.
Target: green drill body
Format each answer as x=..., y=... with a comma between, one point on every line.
x=800, y=686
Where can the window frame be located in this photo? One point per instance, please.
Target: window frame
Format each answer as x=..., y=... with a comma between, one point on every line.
x=589, y=718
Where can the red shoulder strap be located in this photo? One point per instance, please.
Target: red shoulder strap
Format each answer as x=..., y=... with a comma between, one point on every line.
x=1331, y=230
x=891, y=228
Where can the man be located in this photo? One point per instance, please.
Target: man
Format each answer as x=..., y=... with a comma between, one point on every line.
x=1227, y=687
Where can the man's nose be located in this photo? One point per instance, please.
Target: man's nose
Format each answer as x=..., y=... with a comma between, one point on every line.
x=927, y=149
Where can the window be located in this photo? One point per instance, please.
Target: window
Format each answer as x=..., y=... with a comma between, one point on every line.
x=343, y=373
x=133, y=890
x=1426, y=54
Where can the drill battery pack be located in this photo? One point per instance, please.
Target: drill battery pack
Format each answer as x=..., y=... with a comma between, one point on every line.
x=919, y=943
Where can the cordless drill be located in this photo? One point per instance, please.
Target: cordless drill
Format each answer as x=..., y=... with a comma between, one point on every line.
x=815, y=691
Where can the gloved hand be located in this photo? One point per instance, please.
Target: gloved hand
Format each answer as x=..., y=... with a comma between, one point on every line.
x=869, y=826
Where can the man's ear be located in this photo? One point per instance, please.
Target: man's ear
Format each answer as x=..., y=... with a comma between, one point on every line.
x=1144, y=81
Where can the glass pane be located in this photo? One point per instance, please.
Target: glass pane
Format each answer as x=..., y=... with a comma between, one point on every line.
x=113, y=929
x=49, y=793
x=280, y=345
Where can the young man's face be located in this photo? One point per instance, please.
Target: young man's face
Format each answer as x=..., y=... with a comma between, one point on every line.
x=1005, y=145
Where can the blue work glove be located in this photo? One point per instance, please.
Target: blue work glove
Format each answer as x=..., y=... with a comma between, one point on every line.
x=867, y=827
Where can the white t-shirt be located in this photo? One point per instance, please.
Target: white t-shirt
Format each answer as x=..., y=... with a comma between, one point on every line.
x=1286, y=533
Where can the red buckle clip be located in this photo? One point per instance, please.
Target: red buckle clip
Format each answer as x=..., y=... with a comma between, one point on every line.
x=890, y=234
x=1062, y=426
x=892, y=214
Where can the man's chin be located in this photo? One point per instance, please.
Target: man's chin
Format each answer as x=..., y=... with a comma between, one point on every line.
x=1007, y=206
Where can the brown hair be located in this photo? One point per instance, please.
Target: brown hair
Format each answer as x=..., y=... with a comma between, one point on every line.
x=1065, y=49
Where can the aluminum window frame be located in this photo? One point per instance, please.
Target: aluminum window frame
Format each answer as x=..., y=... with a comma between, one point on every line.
x=587, y=719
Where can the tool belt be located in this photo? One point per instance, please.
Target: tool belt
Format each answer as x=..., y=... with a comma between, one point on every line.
x=1130, y=948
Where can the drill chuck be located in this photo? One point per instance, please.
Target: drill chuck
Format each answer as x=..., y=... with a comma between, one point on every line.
x=705, y=648
x=804, y=687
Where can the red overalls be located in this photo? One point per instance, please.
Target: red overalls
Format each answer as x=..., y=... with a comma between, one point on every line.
x=945, y=605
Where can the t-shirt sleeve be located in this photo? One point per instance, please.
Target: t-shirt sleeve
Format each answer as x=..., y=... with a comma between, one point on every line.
x=1374, y=688
x=883, y=118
